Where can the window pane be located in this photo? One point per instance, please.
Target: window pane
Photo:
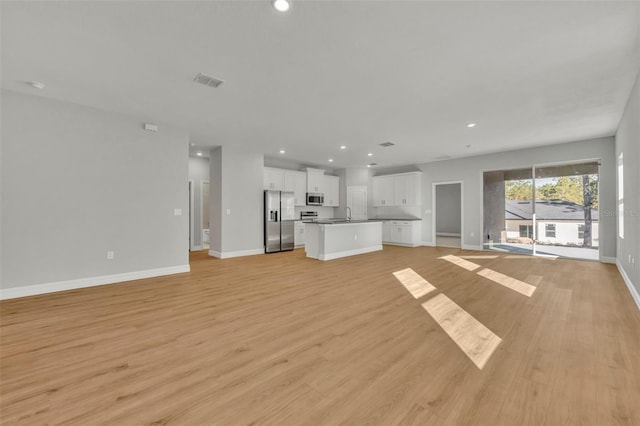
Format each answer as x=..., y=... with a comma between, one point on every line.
x=581, y=231
x=620, y=178
x=550, y=230
x=523, y=231
x=621, y=220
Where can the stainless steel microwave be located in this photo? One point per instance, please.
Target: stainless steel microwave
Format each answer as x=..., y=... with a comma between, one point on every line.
x=315, y=199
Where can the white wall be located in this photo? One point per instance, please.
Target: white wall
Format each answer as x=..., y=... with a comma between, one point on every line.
x=77, y=182
x=470, y=171
x=236, y=202
x=215, y=208
x=448, y=209
x=628, y=143
x=198, y=173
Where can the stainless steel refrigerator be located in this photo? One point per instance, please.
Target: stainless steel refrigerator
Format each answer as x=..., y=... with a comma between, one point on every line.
x=279, y=212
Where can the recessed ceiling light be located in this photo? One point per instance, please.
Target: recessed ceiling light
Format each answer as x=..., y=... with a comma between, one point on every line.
x=370, y=154
x=331, y=160
x=470, y=125
x=282, y=151
x=199, y=154
x=192, y=144
x=343, y=147
x=368, y=165
x=281, y=5
x=37, y=85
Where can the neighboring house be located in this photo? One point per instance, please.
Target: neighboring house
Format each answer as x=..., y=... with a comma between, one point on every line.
x=558, y=222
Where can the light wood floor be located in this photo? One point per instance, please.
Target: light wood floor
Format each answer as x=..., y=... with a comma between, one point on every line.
x=285, y=340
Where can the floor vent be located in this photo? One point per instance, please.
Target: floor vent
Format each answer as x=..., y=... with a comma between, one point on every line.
x=207, y=80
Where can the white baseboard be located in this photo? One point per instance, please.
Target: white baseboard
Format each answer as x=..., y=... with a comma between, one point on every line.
x=627, y=281
x=448, y=234
x=229, y=254
x=428, y=243
x=32, y=290
x=402, y=244
x=605, y=259
x=471, y=247
x=196, y=248
x=346, y=253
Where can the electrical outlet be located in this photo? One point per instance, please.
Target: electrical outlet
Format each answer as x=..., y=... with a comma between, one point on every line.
x=228, y=211
x=109, y=255
x=177, y=212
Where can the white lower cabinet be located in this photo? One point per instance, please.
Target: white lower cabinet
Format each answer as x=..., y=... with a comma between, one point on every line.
x=386, y=232
x=402, y=232
x=298, y=234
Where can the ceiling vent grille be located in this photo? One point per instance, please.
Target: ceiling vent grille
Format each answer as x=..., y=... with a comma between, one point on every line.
x=387, y=144
x=207, y=80
x=373, y=164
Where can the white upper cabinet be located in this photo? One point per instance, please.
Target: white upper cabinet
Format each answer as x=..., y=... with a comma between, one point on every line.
x=273, y=179
x=407, y=189
x=315, y=180
x=397, y=190
x=296, y=182
x=331, y=191
x=383, y=187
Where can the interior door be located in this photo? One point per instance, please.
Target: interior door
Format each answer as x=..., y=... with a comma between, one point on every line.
x=357, y=201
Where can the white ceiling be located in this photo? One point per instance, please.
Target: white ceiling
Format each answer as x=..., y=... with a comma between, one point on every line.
x=330, y=73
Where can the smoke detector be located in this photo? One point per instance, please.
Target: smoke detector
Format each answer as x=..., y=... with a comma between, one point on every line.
x=387, y=144
x=207, y=80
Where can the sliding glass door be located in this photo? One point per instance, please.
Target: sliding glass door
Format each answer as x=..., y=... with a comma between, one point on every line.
x=567, y=210
x=543, y=210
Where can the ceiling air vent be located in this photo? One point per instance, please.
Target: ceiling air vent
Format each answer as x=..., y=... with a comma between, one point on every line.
x=207, y=80
x=373, y=164
x=387, y=144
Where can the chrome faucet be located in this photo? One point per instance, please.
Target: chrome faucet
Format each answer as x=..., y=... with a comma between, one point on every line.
x=348, y=209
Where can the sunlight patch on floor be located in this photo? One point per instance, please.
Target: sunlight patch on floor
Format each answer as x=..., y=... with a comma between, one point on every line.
x=414, y=283
x=469, y=266
x=475, y=340
x=509, y=282
x=480, y=257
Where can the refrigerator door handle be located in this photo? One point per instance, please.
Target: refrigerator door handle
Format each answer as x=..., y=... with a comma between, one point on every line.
x=276, y=213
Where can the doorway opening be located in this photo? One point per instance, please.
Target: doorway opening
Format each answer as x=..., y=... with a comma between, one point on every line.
x=447, y=214
x=204, y=196
x=549, y=210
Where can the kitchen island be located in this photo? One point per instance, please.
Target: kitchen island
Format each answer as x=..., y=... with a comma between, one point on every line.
x=327, y=240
